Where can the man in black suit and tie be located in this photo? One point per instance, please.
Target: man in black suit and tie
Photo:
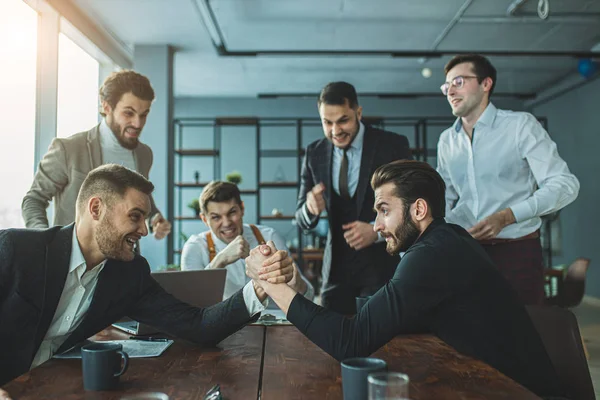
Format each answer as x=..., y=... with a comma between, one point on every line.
x=335, y=178
x=59, y=286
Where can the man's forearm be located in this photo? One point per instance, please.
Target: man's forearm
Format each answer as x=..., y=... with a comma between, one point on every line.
x=34, y=213
x=281, y=294
x=218, y=262
x=300, y=286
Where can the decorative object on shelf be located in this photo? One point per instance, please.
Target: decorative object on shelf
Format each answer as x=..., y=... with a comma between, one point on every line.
x=197, y=176
x=234, y=177
x=276, y=212
x=279, y=174
x=195, y=205
x=587, y=67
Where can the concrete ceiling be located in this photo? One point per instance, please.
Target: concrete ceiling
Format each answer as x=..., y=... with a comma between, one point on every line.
x=349, y=25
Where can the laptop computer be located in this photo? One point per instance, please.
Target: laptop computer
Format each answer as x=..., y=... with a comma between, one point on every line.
x=202, y=288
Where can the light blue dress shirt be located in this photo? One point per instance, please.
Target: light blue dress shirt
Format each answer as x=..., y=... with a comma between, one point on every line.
x=354, y=156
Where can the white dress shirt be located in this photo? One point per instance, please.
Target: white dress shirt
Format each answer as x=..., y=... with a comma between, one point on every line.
x=195, y=256
x=511, y=163
x=73, y=304
x=112, y=151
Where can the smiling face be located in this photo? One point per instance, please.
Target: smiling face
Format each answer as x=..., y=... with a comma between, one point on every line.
x=225, y=219
x=122, y=225
x=340, y=123
x=127, y=119
x=394, y=220
x=472, y=96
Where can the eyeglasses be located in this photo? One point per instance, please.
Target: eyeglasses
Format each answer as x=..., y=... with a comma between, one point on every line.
x=458, y=82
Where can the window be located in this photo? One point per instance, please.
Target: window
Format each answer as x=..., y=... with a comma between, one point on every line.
x=18, y=41
x=78, y=75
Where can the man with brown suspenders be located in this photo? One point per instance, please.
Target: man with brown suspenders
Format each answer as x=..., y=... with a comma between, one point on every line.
x=229, y=240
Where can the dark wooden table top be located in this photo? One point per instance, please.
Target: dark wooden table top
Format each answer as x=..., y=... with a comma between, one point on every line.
x=183, y=371
x=295, y=368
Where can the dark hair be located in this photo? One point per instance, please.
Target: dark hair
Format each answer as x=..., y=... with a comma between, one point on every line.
x=337, y=94
x=414, y=180
x=219, y=191
x=109, y=181
x=126, y=81
x=482, y=67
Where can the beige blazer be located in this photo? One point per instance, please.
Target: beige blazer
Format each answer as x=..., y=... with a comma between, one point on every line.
x=61, y=173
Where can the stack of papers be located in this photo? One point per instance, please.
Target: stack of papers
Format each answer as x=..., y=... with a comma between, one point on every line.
x=272, y=317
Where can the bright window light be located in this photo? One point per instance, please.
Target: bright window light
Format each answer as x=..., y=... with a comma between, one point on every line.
x=78, y=75
x=18, y=44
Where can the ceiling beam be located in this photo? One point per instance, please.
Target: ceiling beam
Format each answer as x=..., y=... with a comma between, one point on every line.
x=407, y=53
x=413, y=95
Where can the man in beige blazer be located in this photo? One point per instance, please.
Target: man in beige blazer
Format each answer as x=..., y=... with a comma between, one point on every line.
x=126, y=97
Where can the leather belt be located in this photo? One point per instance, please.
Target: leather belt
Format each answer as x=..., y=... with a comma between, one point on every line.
x=492, y=242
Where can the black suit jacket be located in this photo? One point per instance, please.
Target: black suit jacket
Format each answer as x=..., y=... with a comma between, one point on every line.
x=447, y=285
x=379, y=148
x=33, y=269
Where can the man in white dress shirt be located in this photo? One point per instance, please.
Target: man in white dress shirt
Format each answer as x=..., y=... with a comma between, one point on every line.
x=125, y=97
x=228, y=241
x=502, y=173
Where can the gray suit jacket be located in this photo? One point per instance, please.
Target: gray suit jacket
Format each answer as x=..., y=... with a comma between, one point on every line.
x=61, y=173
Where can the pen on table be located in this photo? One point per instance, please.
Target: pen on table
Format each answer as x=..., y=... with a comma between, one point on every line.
x=148, y=339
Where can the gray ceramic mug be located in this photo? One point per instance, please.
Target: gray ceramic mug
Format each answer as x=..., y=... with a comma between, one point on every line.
x=101, y=364
x=354, y=376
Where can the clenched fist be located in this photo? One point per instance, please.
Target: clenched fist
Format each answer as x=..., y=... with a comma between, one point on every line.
x=315, y=202
x=237, y=249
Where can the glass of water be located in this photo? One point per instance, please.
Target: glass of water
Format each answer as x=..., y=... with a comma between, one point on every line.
x=388, y=386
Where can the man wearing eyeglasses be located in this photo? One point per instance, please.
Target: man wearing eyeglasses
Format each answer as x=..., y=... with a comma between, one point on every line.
x=502, y=173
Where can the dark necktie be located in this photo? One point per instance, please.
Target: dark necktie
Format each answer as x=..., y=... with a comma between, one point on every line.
x=344, y=192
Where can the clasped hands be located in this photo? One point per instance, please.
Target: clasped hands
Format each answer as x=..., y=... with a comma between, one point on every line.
x=266, y=265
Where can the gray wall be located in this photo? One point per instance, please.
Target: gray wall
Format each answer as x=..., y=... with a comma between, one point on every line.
x=574, y=124
x=239, y=147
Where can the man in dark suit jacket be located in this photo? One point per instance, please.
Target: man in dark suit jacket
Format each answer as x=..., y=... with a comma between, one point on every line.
x=59, y=286
x=445, y=284
x=335, y=178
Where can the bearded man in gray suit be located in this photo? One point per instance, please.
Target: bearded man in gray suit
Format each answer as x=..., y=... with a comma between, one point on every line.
x=125, y=97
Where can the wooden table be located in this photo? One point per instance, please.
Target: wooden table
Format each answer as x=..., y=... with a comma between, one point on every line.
x=292, y=368
x=183, y=371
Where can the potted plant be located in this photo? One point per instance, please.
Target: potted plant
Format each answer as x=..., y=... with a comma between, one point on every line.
x=234, y=177
x=170, y=267
x=195, y=205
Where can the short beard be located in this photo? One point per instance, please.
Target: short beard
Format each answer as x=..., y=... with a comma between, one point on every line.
x=117, y=131
x=405, y=235
x=108, y=240
x=354, y=134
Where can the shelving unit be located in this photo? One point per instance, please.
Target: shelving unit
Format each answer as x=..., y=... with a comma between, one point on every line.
x=422, y=149
x=299, y=125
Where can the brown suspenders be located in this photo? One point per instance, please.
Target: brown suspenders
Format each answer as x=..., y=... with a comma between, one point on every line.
x=212, y=252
